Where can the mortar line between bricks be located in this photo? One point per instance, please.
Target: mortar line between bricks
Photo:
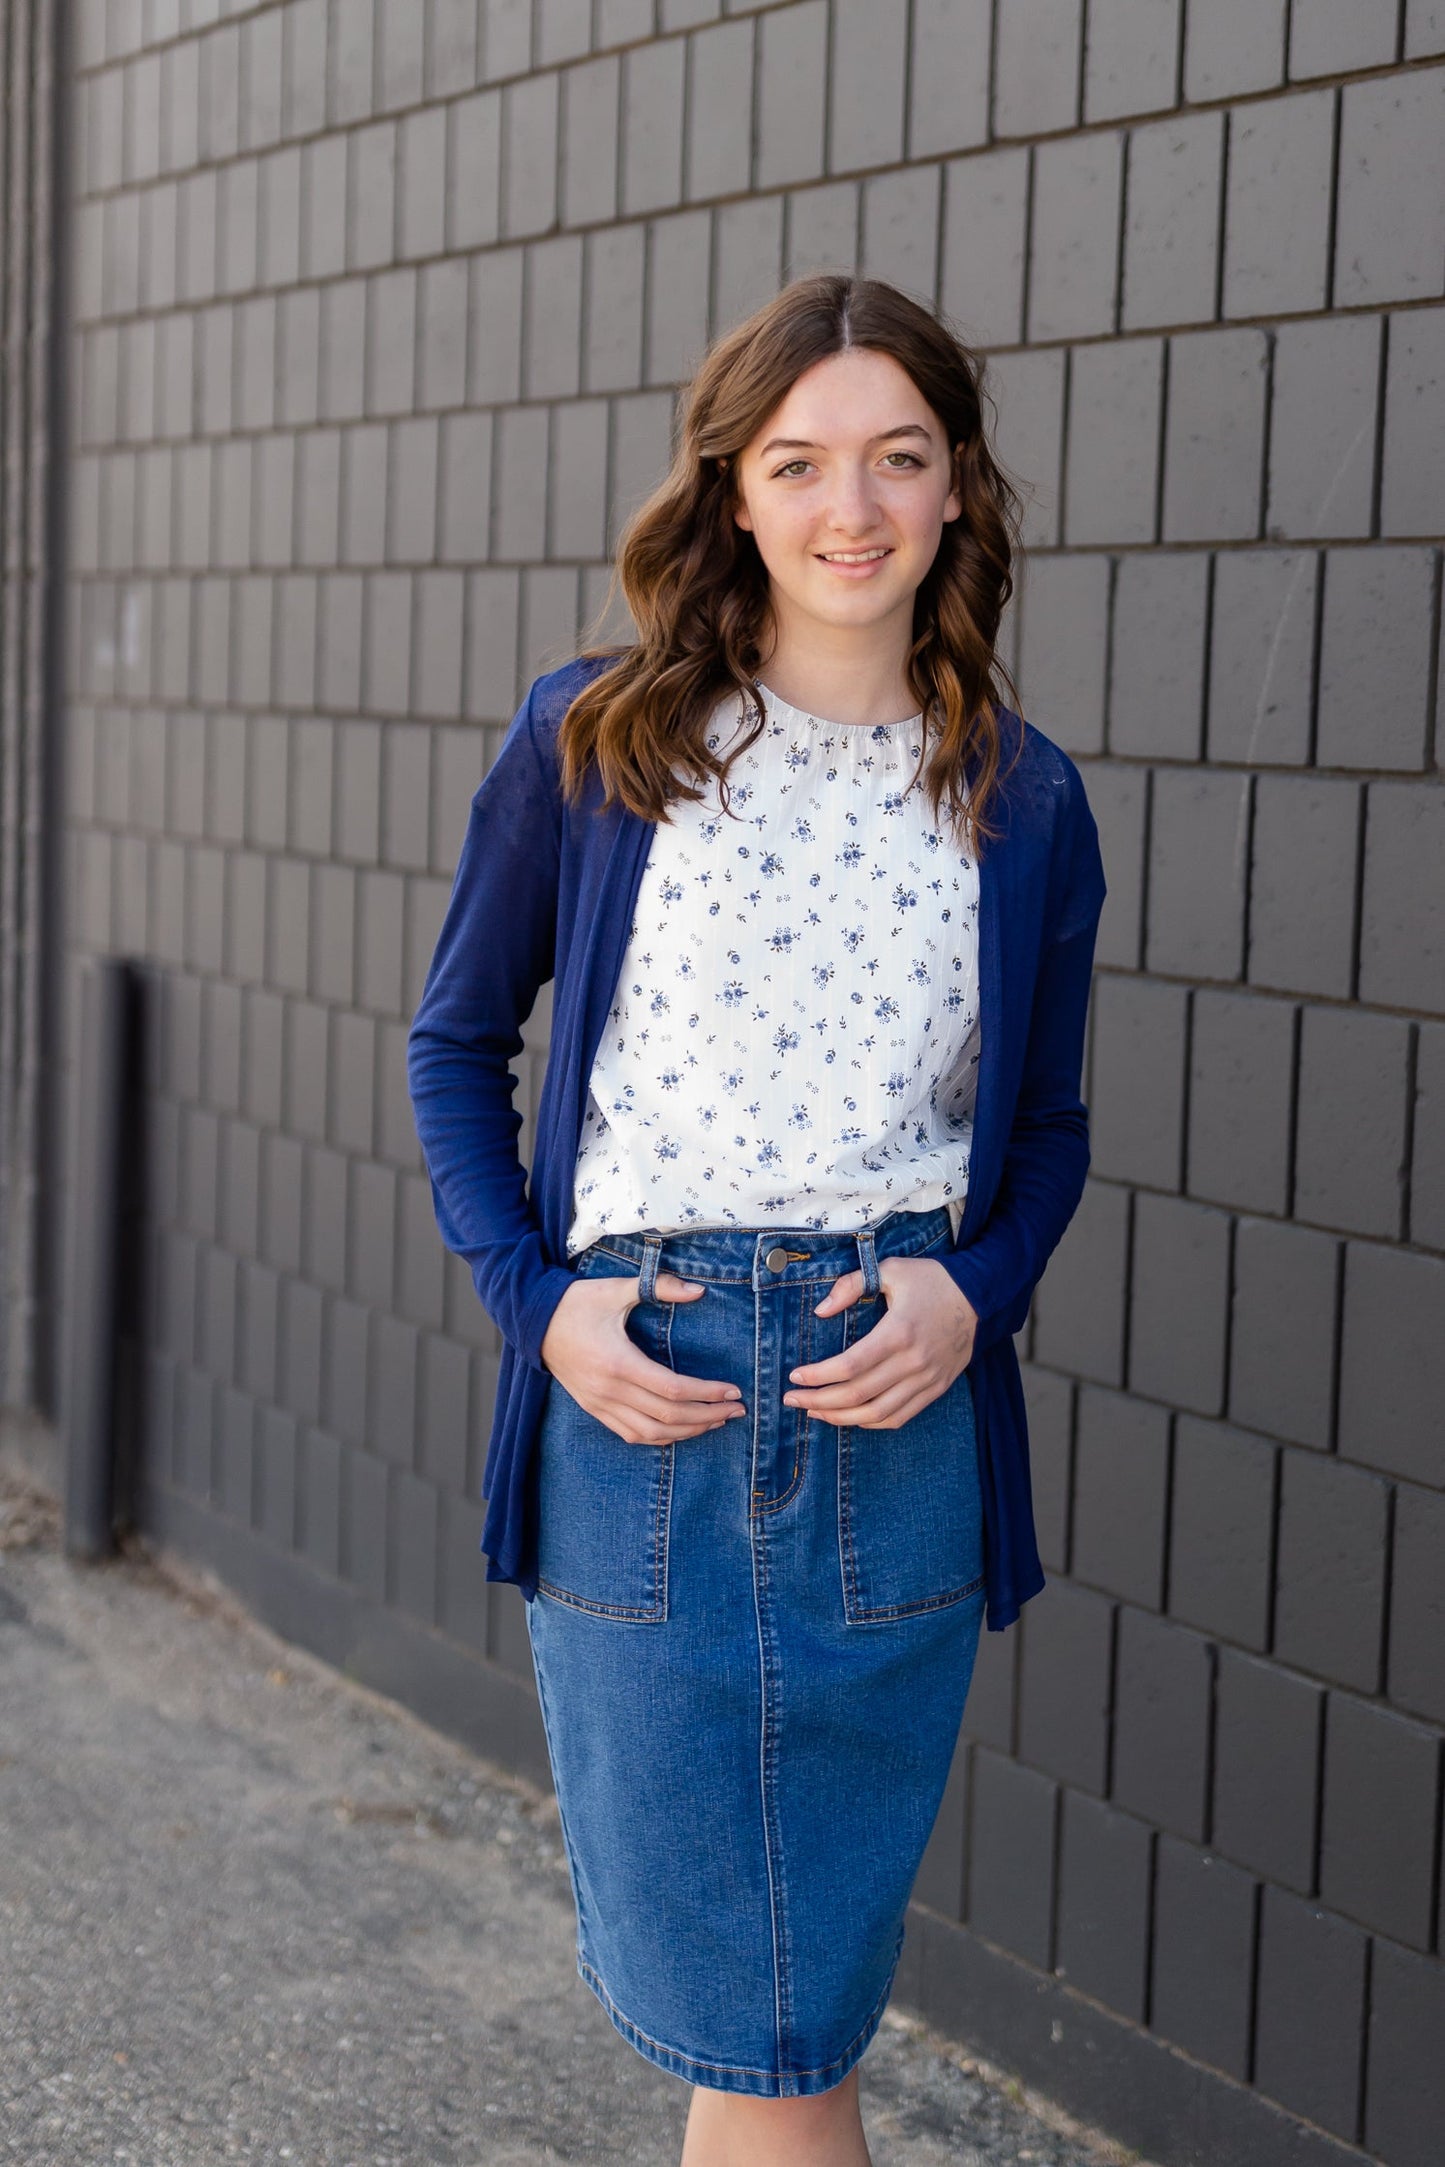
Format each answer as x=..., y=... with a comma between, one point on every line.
x=1121, y=228
x=1382, y=386
x=1266, y=436
x=428, y=50
x=1108, y=668
x=1382, y=1659
x=714, y=269
x=1291, y=1167
x=1316, y=660
x=1432, y=675
x=1066, y=392
x=826, y=147
x=1171, y=1477
x=1400, y=14
x=1407, y=1153
x=1322, y=1747
x=686, y=199
x=1026, y=268
x=1186, y=1093
x=1287, y=48
x=909, y=41
x=1206, y=673
x=1231, y=1290
x=991, y=94
x=1246, y=872
x=1357, y=912
x=1337, y=1337
x=1111, y=1723
x=1126, y=1327
x=1271, y=1606
x=609, y=497
x=377, y=58
x=1251, y=1991
x=1332, y=206
x=1221, y=224
x=1367, y=2029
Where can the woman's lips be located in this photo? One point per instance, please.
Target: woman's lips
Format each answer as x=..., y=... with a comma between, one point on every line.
x=854, y=564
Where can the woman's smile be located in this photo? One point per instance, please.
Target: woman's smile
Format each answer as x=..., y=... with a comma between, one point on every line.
x=853, y=561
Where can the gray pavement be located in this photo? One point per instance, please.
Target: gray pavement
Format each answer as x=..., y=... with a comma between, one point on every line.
x=251, y=1911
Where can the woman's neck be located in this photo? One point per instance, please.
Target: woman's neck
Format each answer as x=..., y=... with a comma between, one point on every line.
x=848, y=681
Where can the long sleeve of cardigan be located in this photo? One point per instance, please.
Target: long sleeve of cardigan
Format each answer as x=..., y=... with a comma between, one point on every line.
x=1047, y=1157
x=496, y=949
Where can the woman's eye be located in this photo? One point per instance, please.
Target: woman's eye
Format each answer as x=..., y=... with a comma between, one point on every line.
x=908, y=458
x=794, y=466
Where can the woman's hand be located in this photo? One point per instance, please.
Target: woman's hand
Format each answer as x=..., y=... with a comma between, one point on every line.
x=587, y=1350
x=911, y=1356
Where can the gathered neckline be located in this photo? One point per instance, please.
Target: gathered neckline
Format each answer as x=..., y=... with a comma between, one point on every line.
x=784, y=709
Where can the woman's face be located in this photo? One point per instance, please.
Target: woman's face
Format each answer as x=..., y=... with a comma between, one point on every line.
x=845, y=489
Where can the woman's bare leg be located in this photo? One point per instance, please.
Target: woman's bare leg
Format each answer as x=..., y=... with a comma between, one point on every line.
x=732, y=2129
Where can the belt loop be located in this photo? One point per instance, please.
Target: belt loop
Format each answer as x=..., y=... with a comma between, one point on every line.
x=647, y=1278
x=868, y=1259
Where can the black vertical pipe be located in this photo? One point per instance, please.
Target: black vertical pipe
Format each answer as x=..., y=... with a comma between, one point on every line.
x=107, y=1007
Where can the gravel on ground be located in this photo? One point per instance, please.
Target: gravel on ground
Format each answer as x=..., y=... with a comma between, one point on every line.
x=252, y=1911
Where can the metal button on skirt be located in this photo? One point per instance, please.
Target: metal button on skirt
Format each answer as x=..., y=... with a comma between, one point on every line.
x=753, y=1649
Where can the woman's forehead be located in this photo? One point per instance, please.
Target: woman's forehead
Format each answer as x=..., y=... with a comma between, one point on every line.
x=849, y=398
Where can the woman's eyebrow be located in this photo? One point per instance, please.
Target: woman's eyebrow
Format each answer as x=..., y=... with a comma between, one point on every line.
x=799, y=443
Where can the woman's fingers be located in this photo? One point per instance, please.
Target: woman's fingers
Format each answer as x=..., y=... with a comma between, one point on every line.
x=889, y=1411
x=644, y=1416
x=588, y=1350
x=844, y=1292
x=649, y=1404
x=672, y=1289
x=890, y=1351
x=634, y=1369
x=911, y=1355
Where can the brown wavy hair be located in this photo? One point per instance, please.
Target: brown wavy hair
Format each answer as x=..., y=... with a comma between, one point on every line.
x=698, y=589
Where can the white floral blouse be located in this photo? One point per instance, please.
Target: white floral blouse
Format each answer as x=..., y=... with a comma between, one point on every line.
x=794, y=1035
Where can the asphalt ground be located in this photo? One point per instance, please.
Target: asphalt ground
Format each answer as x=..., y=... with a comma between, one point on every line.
x=252, y=1911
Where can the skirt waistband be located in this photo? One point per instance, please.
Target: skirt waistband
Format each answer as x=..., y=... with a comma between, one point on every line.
x=774, y=1255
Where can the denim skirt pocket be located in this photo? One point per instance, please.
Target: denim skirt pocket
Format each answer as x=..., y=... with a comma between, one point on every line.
x=910, y=1508
x=604, y=1505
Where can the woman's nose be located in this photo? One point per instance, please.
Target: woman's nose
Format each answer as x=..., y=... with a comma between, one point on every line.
x=853, y=503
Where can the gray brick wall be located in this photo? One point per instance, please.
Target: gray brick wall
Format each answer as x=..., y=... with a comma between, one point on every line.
x=31, y=591
x=381, y=308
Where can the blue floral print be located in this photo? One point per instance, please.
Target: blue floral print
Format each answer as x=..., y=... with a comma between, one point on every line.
x=826, y=931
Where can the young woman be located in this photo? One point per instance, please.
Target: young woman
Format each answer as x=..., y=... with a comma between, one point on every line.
x=820, y=912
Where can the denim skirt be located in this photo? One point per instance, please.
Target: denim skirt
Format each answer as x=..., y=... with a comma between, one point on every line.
x=753, y=1649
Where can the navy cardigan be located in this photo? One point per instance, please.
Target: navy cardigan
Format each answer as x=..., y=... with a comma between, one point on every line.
x=545, y=890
